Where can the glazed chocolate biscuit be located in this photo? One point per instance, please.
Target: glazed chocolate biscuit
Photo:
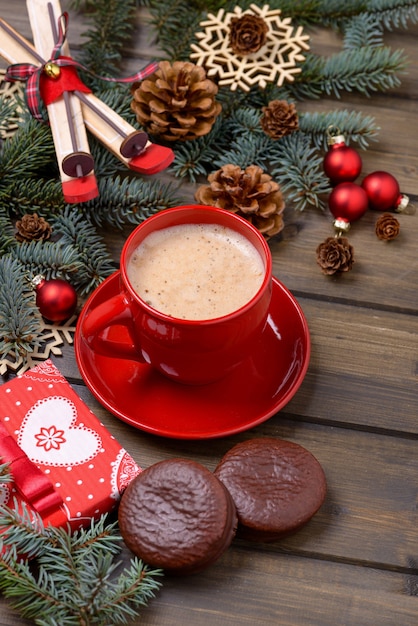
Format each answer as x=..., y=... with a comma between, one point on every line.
x=277, y=486
x=176, y=515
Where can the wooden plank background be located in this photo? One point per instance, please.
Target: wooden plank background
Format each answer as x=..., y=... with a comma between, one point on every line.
x=356, y=562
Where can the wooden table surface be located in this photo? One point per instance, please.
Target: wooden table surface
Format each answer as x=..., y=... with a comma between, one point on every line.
x=356, y=562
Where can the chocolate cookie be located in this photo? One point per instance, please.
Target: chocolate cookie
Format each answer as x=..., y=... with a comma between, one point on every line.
x=176, y=515
x=277, y=486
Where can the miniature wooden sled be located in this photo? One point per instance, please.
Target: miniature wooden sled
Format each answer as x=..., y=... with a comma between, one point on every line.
x=72, y=112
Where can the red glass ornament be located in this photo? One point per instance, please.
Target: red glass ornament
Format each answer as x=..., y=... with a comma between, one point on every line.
x=55, y=298
x=348, y=202
x=383, y=191
x=341, y=163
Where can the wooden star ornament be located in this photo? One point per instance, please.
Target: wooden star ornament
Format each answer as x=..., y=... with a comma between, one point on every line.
x=52, y=80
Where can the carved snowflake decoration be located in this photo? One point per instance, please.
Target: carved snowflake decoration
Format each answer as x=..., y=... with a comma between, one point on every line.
x=10, y=92
x=52, y=337
x=276, y=61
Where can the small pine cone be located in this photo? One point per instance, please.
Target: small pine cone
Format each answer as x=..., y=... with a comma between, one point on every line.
x=247, y=34
x=32, y=227
x=387, y=227
x=279, y=118
x=335, y=254
x=250, y=193
x=177, y=102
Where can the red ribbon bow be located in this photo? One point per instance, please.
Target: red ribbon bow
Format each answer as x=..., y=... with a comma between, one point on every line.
x=36, y=489
x=41, y=88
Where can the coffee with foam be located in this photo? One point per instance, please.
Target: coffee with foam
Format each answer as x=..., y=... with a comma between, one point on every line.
x=196, y=271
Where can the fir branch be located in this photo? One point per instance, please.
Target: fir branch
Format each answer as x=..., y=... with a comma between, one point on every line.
x=25, y=532
x=232, y=100
x=308, y=85
x=364, y=70
x=118, y=97
x=19, y=316
x=134, y=588
x=352, y=124
x=245, y=120
x=79, y=235
x=193, y=159
x=101, y=536
x=247, y=149
x=5, y=475
x=298, y=167
x=74, y=579
x=105, y=162
x=28, y=153
x=393, y=13
x=196, y=158
x=126, y=200
x=51, y=259
x=334, y=12
x=176, y=24
x=7, y=239
x=363, y=31
x=32, y=195
x=112, y=23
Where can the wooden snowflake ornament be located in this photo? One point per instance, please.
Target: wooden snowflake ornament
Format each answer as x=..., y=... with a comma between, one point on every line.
x=276, y=60
x=50, y=340
x=70, y=104
x=13, y=93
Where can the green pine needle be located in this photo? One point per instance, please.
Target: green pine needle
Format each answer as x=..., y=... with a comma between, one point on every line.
x=353, y=125
x=111, y=24
x=393, y=13
x=19, y=316
x=365, y=70
x=78, y=234
x=124, y=200
x=298, y=167
x=72, y=579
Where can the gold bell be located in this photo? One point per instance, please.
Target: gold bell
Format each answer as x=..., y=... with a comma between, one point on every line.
x=52, y=70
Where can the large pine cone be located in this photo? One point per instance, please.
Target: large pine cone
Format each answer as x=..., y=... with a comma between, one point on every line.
x=177, y=102
x=250, y=193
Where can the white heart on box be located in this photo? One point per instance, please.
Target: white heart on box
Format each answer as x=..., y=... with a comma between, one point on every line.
x=49, y=434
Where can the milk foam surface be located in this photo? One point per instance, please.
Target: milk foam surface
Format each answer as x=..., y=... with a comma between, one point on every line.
x=196, y=271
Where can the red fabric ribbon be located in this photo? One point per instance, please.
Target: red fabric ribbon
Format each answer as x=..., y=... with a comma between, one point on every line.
x=40, y=88
x=32, y=484
x=68, y=80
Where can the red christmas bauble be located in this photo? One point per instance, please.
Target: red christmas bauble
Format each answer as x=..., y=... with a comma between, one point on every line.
x=382, y=191
x=55, y=298
x=348, y=202
x=341, y=163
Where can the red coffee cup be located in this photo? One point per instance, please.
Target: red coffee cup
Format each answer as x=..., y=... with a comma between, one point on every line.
x=192, y=351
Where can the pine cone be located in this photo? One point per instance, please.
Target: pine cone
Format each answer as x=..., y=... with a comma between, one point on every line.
x=32, y=227
x=177, y=102
x=335, y=254
x=250, y=193
x=387, y=227
x=247, y=34
x=279, y=118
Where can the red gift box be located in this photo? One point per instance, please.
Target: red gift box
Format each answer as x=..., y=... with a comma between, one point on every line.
x=64, y=462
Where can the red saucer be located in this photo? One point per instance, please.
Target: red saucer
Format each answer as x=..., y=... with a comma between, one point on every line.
x=253, y=392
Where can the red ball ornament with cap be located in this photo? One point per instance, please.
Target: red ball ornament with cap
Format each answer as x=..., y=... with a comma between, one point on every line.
x=341, y=163
x=383, y=192
x=56, y=299
x=347, y=202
